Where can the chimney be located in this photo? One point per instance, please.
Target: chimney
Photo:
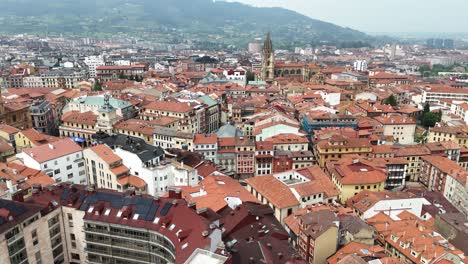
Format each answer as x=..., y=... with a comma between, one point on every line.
x=192, y=205
x=90, y=189
x=175, y=193
x=37, y=186
x=202, y=211
x=9, y=185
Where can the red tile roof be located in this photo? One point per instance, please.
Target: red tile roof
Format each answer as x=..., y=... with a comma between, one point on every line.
x=204, y=139
x=37, y=138
x=131, y=180
x=356, y=170
x=106, y=154
x=76, y=117
x=214, y=192
x=396, y=120
x=53, y=150
x=176, y=107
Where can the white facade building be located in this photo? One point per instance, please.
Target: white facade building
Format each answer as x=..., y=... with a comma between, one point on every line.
x=158, y=175
x=237, y=76
x=360, y=65
x=32, y=81
x=93, y=62
x=393, y=207
x=61, y=160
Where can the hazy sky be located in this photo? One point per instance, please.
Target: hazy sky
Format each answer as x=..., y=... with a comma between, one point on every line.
x=382, y=15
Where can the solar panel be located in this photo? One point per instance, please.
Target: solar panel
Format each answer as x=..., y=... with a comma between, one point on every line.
x=13, y=207
x=165, y=209
x=65, y=194
x=151, y=213
x=82, y=196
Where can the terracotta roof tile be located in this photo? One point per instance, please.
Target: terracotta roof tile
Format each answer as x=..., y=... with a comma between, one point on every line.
x=53, y=150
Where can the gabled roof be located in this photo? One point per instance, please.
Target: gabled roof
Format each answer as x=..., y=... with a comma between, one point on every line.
x=53, y=150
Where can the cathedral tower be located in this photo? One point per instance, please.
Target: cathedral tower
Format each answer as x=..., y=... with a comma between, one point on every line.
x=268, y=59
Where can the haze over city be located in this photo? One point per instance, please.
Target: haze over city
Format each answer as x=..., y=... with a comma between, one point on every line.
x=391, y=16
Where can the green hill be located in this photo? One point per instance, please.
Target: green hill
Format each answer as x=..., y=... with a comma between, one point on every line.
x=198, y=19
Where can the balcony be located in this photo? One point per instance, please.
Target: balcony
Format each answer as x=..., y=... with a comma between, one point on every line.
x=14, y=238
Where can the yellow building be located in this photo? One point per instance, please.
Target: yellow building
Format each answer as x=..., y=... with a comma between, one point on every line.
x=80, y=125
x=136, y=128
x=458, y=134
x=318, y=232
x=30, y=138
x=8, y=133
x=339, y=146
x=353, y=174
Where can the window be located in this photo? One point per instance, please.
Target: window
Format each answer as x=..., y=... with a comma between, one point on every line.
x=70, y=175
x=57, y=171
x=81, y=164
x=38, y=257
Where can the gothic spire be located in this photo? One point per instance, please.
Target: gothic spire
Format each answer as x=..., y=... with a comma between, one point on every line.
x=268, y=45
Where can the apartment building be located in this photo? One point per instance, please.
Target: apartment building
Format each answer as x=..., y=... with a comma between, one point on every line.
x=288, y=191
x=148, y=164
x=206, y=145
x=42, y=117
x=413, y=240
x=107, y=73
x=263, y=158
x=401, y=128
x=352, y=175
x=288, y=141
x=457, y=134
x=434, y=93
x=318, y=233
x=29, y=237
x=339, y=146
x=106, y=170
x=61, y=160
x=58, y=222
x=367, y=203
x=191, y=120
x=168, y=138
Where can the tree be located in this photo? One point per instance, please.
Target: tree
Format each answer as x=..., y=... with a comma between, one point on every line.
x=97, y=86
x=421, y=138
x=427, y=108
x=391, y=101
x=429, y=119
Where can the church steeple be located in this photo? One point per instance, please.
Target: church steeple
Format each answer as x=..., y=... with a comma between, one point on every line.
x=268, y=59
x=268, y=44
